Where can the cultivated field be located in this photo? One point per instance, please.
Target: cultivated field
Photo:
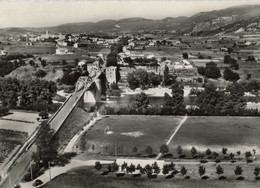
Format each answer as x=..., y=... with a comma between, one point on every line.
x=89, y=177
x=234, y=133
x=10, y=139
x=127, y=132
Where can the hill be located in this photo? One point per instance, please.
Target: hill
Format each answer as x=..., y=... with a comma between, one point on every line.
x=203, y=23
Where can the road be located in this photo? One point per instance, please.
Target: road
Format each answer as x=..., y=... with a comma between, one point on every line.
x=19, y=169
x=174, y=133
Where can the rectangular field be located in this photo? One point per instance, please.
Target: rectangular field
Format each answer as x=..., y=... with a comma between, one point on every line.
x=20, y=121
x=234, y=133
x=126, y=132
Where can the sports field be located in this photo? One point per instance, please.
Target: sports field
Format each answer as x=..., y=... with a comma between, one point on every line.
x=123, y=133
x=234, y=133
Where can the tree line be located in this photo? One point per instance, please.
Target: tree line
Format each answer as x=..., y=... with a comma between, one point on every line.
x=28, y=94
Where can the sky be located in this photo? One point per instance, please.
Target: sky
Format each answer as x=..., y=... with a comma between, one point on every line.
x=52, y=13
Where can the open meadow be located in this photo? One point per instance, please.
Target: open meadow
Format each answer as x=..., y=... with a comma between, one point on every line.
x=122, y=133
x=234, y=133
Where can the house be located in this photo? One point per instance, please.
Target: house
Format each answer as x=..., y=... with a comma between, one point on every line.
x=62, y=43
x=62, y=51
x=82, y=63
x=3, y=52
x=111, y=74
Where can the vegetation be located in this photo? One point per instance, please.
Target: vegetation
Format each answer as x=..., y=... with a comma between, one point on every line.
x=3, y=110
x=230, y=75
x=30, y=94
x=210, y=71
x=142, y=79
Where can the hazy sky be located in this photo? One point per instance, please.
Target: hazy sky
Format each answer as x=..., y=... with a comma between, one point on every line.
x=51, y=13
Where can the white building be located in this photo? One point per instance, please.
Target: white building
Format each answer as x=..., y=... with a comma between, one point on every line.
x=62, y=51
x=3, y=52
x=111, y=74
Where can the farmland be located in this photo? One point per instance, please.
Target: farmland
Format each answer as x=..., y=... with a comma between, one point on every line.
x=9, y=139
x=127, y=132
x=89, y=177
x=234, y=133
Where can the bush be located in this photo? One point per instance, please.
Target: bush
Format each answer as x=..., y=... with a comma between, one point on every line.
x=40, y=73
x=222, y=178
x=240, y=178
x=204, y=177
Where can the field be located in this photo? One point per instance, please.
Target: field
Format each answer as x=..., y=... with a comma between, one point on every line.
x=35, y=49
x=234, y=133
x=9, y=139
x=127, y=132
x=89, y=177
x=20, y=121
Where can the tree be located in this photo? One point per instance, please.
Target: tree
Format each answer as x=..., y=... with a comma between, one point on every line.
x=132, y=168
x=248, y=155
x=179, y=150
x=135, y=149
x=32, y=63
x=178, y=97
x=212, y=71
x=229, y=75
x=3, y=110
x=224, y=151
x=208, y=152
x=148, y=170
x=185, y=55
x=215, y=154
x=219, y=170
x=183, y=171
x=43, y=63
x=201, y=70
x=114, y=167
x=43, y=114
x=46, y=149
x=156, y=168
x=164, y=149
x=238, y=170
x=256, y=171
x=238, y=153
x=149, y=150
x=168, y=79
x=165, y=169
x=202, y=170
x=193, y=151
x=141, y=101
x=98, y=165
x=231, y=155
x=124, y=166
x=40, y=73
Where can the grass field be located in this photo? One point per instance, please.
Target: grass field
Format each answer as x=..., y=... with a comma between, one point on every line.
x=235, y=133
x=127, y=132
x=89, y=177
x=20, y=121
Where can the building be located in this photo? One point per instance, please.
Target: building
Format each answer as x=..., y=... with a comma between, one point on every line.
x=3, y=52
x=111, y=74
x=62, y=51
